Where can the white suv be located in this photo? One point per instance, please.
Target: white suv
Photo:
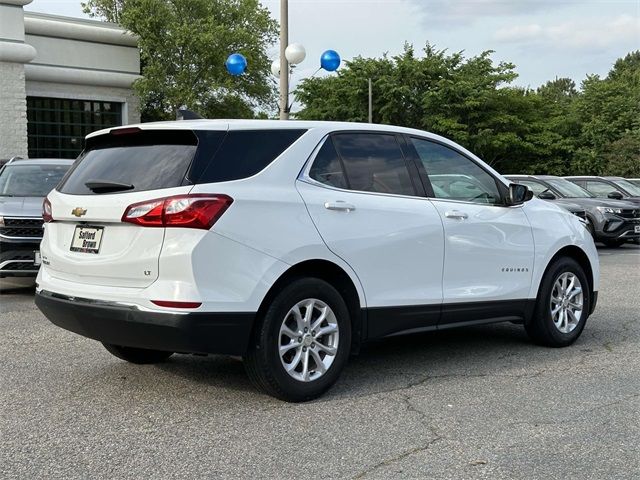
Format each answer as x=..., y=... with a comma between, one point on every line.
x=292, y=243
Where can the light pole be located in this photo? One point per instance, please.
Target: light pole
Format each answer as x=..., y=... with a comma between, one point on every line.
x=284, y=64
x=370, y=103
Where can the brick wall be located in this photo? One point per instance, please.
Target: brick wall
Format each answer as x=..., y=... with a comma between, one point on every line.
x=13, y=111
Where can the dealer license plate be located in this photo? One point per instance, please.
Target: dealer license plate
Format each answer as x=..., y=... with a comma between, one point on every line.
x=87, y=239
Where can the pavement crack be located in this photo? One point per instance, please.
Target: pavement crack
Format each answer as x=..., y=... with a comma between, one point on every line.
x=397, y=458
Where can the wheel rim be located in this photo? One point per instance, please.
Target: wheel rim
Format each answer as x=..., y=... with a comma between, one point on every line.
x=567, y=302
x=308, y=340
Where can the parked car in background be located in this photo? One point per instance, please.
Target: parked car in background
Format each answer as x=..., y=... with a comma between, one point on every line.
x=635, y=181
x=612, y=222
x=616, y=188
x=23, y=186
x=291, y=243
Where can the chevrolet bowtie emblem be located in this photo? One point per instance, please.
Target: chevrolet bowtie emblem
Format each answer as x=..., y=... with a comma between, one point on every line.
x=78, y=211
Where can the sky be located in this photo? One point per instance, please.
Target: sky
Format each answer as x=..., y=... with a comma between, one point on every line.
x=543, y=38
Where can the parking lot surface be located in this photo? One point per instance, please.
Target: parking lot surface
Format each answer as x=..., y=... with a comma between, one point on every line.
x=481, y=402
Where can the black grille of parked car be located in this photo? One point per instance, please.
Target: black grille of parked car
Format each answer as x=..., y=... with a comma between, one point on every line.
x=629, y=213
x=22, y=227
x=18, y=261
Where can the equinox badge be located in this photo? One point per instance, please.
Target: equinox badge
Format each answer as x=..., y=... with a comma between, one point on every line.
x=78, y=211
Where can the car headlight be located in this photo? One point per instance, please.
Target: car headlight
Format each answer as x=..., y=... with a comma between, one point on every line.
x=1, y=221
x=616, y=211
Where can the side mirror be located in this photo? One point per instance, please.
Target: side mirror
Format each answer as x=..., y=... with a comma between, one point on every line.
x=615, y=195
x=519, y=194
x=547, y=195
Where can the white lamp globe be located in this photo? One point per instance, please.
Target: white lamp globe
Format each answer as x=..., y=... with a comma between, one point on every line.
x=275, y=68
x=295, y=53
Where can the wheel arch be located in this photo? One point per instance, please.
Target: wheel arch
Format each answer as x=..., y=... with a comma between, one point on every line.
x=580, y=256
x=335, y=276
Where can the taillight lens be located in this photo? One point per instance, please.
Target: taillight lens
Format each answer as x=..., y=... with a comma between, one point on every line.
x=46, y=210
x=186, y=211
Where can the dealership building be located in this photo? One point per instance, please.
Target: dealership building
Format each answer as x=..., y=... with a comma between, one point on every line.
x=60, y=79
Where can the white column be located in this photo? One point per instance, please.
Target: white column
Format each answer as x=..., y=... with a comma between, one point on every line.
x=14, y=53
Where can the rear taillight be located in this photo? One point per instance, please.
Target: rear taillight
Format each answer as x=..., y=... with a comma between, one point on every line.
x=186, y=211
x=46, y=210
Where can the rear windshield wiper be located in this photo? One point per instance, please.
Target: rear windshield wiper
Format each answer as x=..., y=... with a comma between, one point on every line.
x=104, y=186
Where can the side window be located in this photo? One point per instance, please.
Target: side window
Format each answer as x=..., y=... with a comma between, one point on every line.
x=600, y=189
x=327, y=168
x=374, y=163
x=535, y=187
x=454, y=176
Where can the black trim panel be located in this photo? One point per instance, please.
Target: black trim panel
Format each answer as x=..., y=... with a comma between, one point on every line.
x=383, y=321
x=387, y=321
x=194, y=332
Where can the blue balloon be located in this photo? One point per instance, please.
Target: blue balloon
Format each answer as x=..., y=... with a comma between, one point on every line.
x=330, y=60
x=236, y=64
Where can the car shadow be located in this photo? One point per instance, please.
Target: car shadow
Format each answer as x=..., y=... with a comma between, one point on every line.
x=399, y=362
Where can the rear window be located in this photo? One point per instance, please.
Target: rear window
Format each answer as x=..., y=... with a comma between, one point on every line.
x=150, y=160
x=146, y=160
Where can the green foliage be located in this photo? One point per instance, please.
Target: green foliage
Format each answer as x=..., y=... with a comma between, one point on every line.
x=183, y=47
x=555, y=129
x=110, y=10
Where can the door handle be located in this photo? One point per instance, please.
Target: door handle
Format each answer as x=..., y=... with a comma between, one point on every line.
x=339, y=206
x=456, y=214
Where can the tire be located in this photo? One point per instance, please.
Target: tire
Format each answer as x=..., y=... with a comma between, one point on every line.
x=139, y=356
x=263, y=362
x=613, y=243
x=541, y=328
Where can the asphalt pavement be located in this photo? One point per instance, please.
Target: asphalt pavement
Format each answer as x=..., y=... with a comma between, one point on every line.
x=481, y=402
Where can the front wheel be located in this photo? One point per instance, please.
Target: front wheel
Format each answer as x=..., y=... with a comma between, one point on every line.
x=137, y=355
x=302, y=342
x=562, y=306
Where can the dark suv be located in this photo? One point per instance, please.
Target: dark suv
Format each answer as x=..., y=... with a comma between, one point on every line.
x=612, y=222
x=23, y=186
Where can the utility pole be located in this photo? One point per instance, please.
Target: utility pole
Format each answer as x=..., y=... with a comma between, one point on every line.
x=370, y=103
x=284, y=65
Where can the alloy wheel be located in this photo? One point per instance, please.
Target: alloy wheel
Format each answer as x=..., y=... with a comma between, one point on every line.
x=567, y=302
x=308, y=340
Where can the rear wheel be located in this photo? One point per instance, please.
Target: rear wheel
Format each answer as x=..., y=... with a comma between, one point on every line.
x=137, y=355
x=302, y=342
x=562, y=306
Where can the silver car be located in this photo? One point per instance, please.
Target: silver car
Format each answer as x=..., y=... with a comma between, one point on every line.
x=23, y=186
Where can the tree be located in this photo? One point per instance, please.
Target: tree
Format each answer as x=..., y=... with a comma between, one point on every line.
x=609, y=111
x=110, y=10
x=183, y=46
x=556, y=129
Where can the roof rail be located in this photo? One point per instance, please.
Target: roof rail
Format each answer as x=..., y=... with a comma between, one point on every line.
x=12, y=159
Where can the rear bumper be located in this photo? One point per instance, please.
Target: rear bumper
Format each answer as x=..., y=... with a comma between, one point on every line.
x=193, y=332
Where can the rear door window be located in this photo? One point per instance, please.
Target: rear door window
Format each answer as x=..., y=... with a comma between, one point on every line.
x=145, y=160
x=327, y=167
x=374, y=162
